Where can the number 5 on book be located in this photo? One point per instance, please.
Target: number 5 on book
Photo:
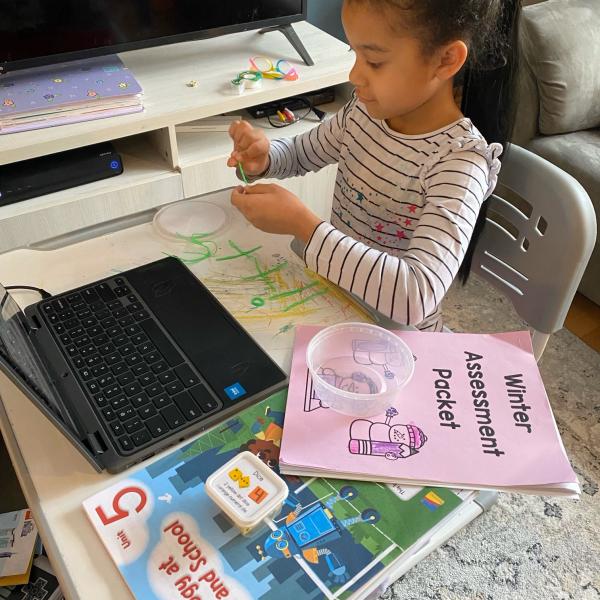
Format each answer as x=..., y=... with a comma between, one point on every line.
x=119, y=511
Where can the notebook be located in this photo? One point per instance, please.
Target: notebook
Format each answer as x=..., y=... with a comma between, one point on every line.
x=18, y=534
x=67, y=92
x=41, y=585
x=332, y=539
x=474, y=415
x=130, y=364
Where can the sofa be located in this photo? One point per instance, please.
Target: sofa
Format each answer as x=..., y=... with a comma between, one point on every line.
x=558, y=108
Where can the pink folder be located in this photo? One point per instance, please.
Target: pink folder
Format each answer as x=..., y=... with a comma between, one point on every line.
x=474, y=415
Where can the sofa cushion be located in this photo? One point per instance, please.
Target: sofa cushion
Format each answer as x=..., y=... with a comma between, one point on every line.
x=563, y=51
x=576, y=153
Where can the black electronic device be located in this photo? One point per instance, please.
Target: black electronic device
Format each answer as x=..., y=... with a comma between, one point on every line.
x=315, y=98
x=133, y=363
x=34, y=32
x=38, y=176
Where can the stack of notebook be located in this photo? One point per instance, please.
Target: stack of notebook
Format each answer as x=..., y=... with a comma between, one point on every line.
x=70, y=92
x=475, y=415
x=18, y=535
x=331, y=539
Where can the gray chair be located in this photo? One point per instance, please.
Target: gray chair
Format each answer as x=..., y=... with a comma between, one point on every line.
x=558, y=112
x=537, y=241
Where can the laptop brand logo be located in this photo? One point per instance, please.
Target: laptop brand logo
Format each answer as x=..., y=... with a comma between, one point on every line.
x=162, y=288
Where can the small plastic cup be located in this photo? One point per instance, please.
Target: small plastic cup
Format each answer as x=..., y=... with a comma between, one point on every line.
x=358, y=369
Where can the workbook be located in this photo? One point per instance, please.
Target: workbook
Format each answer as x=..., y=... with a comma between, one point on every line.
x=68, y=92
x=332, y=539
x=475, y=415
x=18, y=534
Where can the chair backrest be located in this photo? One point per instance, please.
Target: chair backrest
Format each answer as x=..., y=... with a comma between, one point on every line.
x=537, y=241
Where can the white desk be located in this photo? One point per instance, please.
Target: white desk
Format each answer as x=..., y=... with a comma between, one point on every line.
x=161, y=166
x=54, y=476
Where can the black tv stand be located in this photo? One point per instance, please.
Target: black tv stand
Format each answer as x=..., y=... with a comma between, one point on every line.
x=294, y=40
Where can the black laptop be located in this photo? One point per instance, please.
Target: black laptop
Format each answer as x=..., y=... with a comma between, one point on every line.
x=131, y=364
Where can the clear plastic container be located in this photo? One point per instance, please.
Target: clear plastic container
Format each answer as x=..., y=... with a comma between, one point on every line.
x=187, y=218
x=358, y=369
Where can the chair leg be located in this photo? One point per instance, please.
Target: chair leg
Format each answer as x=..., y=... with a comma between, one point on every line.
x=539, y=341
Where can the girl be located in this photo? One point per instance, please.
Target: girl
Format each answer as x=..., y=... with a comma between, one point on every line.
x=413, y=170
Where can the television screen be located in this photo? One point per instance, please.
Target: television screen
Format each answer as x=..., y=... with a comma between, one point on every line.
x=45, y=31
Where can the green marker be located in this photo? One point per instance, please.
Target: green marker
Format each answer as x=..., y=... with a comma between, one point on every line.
x=244, y=178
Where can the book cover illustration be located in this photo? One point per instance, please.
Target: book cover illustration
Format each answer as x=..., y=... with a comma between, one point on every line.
x=47, y=88
x=18, y=534
x=42, y=584
x=475, y=414
x=169, y=540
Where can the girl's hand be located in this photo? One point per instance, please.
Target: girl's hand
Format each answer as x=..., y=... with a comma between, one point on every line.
x=250, y=147
x=275, y=210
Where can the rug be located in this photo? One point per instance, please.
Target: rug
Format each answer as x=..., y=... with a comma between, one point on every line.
x=526, y=547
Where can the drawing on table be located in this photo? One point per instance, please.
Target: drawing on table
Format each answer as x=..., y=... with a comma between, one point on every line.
x=256, y=285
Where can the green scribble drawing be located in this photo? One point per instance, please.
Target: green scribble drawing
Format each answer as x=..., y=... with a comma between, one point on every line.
x=205, y=248
x=294, y=292
x=240, y=252
x=256, y=291
x=285, y=328
x=262, y=274
x=305, y=300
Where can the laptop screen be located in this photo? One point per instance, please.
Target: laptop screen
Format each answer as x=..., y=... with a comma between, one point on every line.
x=17, y=351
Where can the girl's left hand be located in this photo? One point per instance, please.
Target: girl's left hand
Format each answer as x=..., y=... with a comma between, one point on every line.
x=273, y=209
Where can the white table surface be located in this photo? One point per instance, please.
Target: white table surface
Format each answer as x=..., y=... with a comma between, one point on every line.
x=54, y=476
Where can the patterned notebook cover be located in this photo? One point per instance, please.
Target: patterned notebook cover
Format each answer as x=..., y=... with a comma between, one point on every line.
x=49, y=88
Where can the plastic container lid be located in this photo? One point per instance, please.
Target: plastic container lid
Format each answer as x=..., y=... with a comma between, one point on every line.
x=247, y=490
x=187, y=218
x=358, y=369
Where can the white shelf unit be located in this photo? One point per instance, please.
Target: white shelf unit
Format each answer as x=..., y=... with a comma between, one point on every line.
x=146, y=182
x=161, y=166
x=203, y=156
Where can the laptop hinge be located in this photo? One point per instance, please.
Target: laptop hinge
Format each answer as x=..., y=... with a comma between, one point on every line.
x=96, y=443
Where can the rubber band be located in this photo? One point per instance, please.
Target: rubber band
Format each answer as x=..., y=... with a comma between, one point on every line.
x=280, y=70
x=247, y=80
x=244, y=178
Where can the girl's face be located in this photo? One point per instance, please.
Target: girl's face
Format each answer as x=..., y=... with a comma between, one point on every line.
x=391, y=74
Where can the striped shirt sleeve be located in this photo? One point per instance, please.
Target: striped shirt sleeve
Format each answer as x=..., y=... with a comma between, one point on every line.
x=310, y=151
x=410, y=288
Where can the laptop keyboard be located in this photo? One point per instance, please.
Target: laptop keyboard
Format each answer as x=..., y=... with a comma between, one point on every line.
x=140, y=384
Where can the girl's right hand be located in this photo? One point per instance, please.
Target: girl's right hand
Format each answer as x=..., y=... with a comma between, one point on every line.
x=250, y=147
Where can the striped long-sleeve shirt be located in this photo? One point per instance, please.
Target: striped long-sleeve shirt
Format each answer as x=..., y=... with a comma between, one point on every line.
x=404, y=207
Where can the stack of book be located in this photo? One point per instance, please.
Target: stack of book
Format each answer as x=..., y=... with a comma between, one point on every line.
x=70, y=92
x=331, y=539
x=18, y=536
x=42, y=584
x=475, y=415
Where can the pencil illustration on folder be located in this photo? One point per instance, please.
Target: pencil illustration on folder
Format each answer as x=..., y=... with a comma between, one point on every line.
x=391, y=440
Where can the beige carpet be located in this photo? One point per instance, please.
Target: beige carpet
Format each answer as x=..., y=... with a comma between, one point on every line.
x=526, y=547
